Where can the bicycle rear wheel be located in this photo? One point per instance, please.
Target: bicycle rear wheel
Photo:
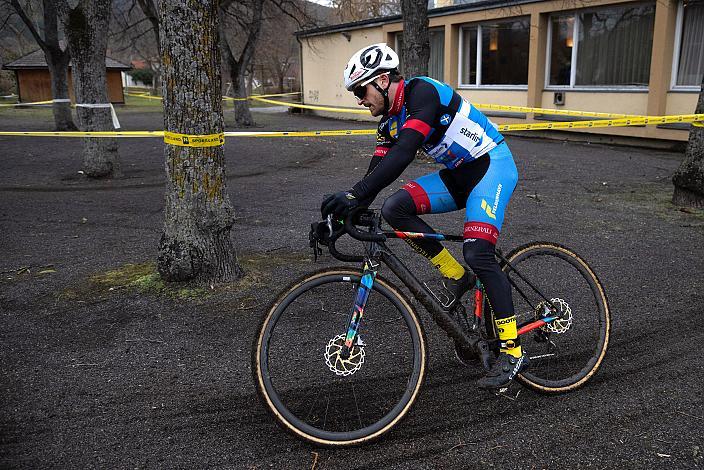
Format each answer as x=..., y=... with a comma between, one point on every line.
x=565, y=354
x=299, y=375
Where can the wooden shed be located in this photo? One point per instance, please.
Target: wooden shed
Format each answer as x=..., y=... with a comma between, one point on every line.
x=34, y=83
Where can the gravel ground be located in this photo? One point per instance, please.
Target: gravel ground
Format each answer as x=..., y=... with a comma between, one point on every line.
x=99, y=377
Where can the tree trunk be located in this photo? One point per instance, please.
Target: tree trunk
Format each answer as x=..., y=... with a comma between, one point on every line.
x=416, y=41
x=58, y=71
x=151, y=11
x=238, y=66
x=56, y=59
x=195, y=244
x=689, y=177
x=243, y=116
x=85, y=27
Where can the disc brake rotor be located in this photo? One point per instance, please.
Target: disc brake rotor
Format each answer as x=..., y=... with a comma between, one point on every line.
x=339, y=365
x=564, y=312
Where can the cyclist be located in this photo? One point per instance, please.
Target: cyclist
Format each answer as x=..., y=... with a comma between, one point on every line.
x=479, y=176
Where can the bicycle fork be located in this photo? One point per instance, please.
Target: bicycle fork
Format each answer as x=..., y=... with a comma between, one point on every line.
x=365, y=286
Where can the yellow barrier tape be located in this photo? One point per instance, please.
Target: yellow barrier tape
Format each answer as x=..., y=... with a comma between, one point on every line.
x=308, y=106
x=253, y=97
x=123, y=134
x=194, y=140
x=634, y=121
x=556, y=112
x=85, y=134
x=142, y=95
x=225, y=98
x=495, y=107
x=7, y=105
x=332, y=133
x=695, y=119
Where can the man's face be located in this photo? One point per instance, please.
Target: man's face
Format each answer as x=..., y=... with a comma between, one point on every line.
x=370, y=97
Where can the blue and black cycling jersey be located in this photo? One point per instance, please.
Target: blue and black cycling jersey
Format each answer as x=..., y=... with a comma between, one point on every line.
x=426, y=114
x=479, y=176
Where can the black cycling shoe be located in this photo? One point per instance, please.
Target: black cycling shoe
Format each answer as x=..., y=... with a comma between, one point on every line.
x=456, y=288
x=504, y=369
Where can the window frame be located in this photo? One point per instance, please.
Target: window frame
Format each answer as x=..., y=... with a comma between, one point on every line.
x=478, y=58
x=679, y=29
x=575, y=57
x=436, y=29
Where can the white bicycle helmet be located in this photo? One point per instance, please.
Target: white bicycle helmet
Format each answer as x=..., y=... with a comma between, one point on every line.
x=369, y=62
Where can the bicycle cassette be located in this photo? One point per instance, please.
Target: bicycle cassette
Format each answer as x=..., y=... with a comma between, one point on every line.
x=336, y=363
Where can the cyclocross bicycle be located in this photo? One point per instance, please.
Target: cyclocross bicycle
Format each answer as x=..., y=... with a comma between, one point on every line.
x=341, y=354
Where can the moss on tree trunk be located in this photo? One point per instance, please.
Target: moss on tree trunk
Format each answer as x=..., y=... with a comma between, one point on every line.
x=196, y=243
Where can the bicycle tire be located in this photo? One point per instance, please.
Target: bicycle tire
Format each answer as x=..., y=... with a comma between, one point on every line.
x=266, y=343
x=592, y=318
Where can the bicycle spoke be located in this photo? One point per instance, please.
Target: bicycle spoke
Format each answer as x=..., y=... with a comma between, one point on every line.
x=357, y=407
x=564, y=352
x=338, y=396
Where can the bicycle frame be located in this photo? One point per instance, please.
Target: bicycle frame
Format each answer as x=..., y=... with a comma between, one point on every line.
x=378, y=251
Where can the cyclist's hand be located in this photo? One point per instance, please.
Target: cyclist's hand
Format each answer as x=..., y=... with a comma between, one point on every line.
x=339, y=204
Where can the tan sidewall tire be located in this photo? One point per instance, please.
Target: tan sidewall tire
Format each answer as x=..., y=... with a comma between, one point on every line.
x=602, y=298
x=256, y=365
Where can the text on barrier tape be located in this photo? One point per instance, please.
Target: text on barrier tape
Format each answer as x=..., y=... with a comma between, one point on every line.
x=191, y=140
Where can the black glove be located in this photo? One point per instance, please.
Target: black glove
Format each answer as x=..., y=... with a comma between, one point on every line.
x=339, y=204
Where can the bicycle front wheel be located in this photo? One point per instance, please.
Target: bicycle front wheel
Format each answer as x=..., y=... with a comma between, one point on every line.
x=313, y=392
x=566, y=353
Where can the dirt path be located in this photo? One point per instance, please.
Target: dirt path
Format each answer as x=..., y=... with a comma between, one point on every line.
x=93, y=377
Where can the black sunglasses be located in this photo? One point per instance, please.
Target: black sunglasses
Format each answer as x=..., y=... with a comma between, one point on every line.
x=360, y=92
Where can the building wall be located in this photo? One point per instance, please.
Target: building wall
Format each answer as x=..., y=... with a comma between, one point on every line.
x=324, y=60
x=35, y=85
x=322, y=69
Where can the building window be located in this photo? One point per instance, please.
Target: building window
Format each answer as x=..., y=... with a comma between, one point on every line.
x=608, y=47
x=495, y=53
x=561, y=51
x=436, y=64
x=690, y=60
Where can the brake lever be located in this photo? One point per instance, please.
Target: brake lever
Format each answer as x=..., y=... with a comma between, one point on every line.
x=329, y=224
x=313, y=243
x=317, y=251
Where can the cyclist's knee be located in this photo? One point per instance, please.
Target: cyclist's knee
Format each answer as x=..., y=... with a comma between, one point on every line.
x=397, y=207
x=479, y=255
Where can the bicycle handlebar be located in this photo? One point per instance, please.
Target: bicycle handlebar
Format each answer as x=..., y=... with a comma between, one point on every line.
x=327, y=233
x=366, y=219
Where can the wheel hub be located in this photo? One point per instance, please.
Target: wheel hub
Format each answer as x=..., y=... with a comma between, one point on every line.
x=564, y=313
x=338, y=364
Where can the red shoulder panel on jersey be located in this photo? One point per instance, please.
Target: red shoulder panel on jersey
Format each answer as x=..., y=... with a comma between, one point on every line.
x=418, y=125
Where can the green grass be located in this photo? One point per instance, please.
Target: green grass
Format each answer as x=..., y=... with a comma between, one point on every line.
x=144, y=278
x=259, y=268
